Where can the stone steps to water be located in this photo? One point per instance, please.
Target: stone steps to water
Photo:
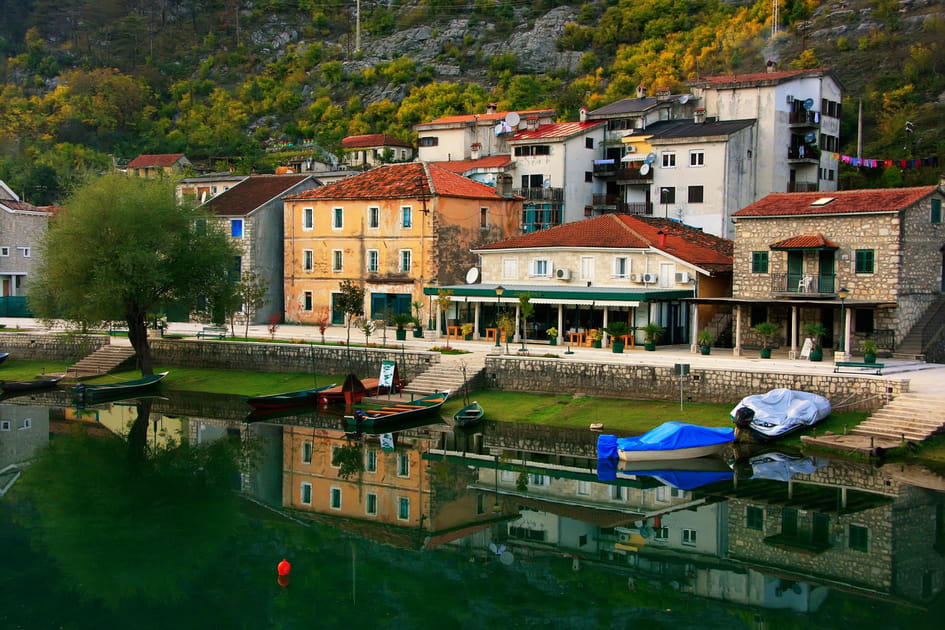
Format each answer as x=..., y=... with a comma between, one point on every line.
x=913, y=417
x=447, y=375
x=102, y=361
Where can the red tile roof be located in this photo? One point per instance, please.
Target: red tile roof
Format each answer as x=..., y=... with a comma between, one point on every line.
x=742, y=80
x=493, y=116
x=373, y=140
x=403, y=181
x=843, y=202
x=624, y=231
x=22, y=206
x=556, y=130
x=252, y=193
x=159, y=159
x=806, y=241
x=464, y=166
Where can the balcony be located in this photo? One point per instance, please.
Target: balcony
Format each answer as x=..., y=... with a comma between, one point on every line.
x=634, y=176
x=803, y=187
x=540, y=194
x=796, y=285
x=804, y=118
x=804, y=153
x=614, y=203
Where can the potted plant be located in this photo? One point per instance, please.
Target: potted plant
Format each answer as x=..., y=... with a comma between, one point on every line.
x=651, y=334
x=552, y=335
x=417, y=327
x=767, y=331
x=401, y=320
x=815, y=331
x=618, y=331
x=869, y=351
x=704, y=339
x=467, y=330
x=596, y=336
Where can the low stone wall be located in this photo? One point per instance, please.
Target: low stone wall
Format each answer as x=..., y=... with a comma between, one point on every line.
x=288, y=357
x=846, y=392
x=57, y=347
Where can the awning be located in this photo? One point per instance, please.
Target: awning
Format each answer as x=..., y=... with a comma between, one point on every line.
x=805, y=241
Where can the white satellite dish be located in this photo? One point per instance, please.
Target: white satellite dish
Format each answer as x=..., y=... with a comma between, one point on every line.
x=644, y=169
x=808, y=104
x=472, y=276
x=513, y=118
x=650, y=158
x=683, y=99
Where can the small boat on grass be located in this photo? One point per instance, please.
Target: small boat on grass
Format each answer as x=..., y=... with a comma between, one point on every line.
x=669, y=441
x=12, y=388
x=778, y=413
x=469, y=415
x=398, y=412
x=3, y=356
x=303, y=398
x=91, y=394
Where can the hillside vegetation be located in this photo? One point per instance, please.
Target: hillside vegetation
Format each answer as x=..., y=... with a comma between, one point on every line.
x=88, y=83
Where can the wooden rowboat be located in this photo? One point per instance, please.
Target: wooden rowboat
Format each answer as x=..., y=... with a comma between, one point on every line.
x=468, y=415
x=301, y=398
x=91, y=394
x=40, y=383
x=397, y=413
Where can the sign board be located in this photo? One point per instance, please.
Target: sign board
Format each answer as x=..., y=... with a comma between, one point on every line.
x=386, y=378
x=387, y=442
x=807, y=347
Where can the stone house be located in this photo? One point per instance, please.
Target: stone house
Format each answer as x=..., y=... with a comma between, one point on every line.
x=864, y=263
x=394, y=230
x=374, y=149
x=251, y=212
x=22, y=228
x=583, y=275
x=159, y=164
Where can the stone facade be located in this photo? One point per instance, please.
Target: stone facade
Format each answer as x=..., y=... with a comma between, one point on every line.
x=52, y=347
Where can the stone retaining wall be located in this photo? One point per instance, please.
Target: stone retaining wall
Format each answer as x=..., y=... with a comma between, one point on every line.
x=58, y=347
x=651, y=382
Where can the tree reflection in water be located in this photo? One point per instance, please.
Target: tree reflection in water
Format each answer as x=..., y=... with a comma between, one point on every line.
x=127, y=521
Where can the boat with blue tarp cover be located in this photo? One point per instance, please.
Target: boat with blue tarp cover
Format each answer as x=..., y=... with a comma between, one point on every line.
x=670, y=440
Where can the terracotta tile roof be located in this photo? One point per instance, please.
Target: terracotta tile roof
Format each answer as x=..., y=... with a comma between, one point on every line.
x=403, y=181
x=464, y=166
x=251, y=193
x=624, y=231
x=842, y=202
x=556, y=130
x=806, y=241
x=744, y=80
x=158, y=159
x=373, y=140
x=22, y=206
x=495, y=116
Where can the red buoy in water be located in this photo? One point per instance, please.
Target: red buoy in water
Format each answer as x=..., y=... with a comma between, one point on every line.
x=284, y=568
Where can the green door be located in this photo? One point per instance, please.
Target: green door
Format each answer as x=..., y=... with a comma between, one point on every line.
x=827, y=272
x=795, y=270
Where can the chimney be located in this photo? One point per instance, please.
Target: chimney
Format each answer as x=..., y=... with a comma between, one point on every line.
x=531, y=122
x=641, y=91
x=503, y=184
x=771, y=65
x=475, y=151
x=698, y=115
x=583, y=114
x=491, y=108
x=662, y=235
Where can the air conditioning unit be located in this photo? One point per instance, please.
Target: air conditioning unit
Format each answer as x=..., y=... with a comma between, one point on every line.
x=683, y=277
x=562, y=274
x=650, y=278
x=631, y=149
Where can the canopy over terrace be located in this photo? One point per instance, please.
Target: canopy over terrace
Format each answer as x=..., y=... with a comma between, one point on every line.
x=585, y=307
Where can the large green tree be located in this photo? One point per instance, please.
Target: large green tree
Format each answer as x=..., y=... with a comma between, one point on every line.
x=122, y=247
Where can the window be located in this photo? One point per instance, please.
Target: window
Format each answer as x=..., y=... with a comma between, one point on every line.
x=307, y=301
x=588, y=176
x=406, y=216
x=863, y=321
x=662, y=494
x=617, y=493
x=236, y=228
x=308, y=219
x=4, y=251
x=4, y=425
x=669, y=159
x=403, y=465
x=754, y=517
x=483, y=218
x=335, y=499
x=859, y=538
x=936, y=215
x=374, y=218
x=403, y=508
x=689, y=537
x=200, y=227
x=695, y=194
x=536, y=149
x=587, y=267
x=370, y=504
x=429, y=141
x=667, y=195
x=24, y=251
x=661, y=533
x=583, y=487
x=864, y=261
x=370, y=464
x=372, y=260
x=621, y=267
x=588, y=143
x=541, y=268
x=305, y=493
x=337, y=260
x=536, y=479
x=509, y=268
x=759, y=262
x=306, y=452
x=337, y=218
x=406, y=260
x=308, y=260
x=697, y=158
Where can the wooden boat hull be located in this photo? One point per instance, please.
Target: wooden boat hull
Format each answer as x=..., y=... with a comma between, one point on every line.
x=11, y=387
x=669, y=455
x=126, y=389
x=469, y=415
x=353, y=390
x=286, y=400
x=397, y=413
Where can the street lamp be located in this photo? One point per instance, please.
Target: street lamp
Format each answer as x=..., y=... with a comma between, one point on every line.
x=842, y=293
x=664, y=193
x=431, y=283
x=499, y=290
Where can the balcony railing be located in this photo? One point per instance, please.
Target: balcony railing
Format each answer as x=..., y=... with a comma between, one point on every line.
x=804, y=152
x=802, y=187
x=803, y=285
x=614, y=203
x=631, y=174
x=804, y=118
x=540, y=194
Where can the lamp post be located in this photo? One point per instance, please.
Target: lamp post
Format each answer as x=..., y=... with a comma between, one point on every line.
x=499, y=290
x=495, y=508
x=431, y=283
x=664, y=195
x=842, y=293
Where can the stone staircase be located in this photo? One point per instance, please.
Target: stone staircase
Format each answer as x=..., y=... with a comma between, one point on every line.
x=912, y=417
x=103, y=360
x=925, y=331
x=448, y=374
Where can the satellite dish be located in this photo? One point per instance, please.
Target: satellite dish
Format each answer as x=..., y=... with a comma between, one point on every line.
x=546, y=183
x=644, y=169
x=513, y=118
x=810, y=136
x=472, y=276
x=650, y=158
x=808, y=104
x=683, y=99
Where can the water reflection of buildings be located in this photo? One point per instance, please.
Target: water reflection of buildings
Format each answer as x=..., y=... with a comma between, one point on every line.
x=24, y=429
